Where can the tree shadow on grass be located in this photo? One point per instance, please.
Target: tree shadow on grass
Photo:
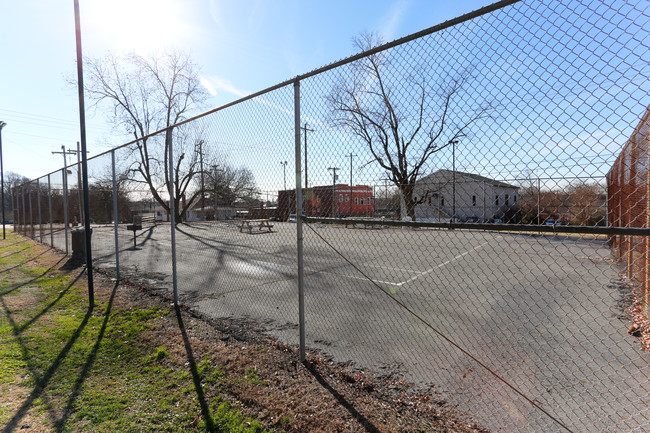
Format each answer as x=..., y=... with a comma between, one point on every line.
x=196, y=377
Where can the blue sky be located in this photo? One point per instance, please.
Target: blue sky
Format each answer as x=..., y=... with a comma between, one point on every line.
x=241, y=47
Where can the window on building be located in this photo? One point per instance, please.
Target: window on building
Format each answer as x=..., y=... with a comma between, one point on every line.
x=340, y=198
x=473, y=200
x=507, y=200
x=442, y=201
x=363, y=201
x=496, y=200
x=356, y=200
x=347, y=198
x=514, y=198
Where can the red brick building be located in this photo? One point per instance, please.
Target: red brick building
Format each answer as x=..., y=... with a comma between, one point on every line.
x=329, y=201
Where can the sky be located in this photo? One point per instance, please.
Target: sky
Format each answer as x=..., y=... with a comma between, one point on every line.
x=241, y=47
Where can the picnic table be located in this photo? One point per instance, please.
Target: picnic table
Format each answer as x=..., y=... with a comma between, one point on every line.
x=251, y=224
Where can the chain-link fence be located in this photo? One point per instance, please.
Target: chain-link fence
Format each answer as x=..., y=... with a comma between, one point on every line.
x=627, y=194
x=448, y=218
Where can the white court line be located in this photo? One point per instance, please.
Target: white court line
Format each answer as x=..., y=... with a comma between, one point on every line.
x=428, y=271
x=419, y=274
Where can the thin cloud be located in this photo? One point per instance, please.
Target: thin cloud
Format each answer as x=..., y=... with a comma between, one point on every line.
x=215, y=84
x=205, y=83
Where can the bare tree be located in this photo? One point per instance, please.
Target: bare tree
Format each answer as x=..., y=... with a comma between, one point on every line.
x=148, y=95
x=230, y=186
x=403, y=118
x=586, y=202
x=12, y=180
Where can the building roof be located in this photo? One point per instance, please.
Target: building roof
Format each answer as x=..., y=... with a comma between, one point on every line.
x=437, y=176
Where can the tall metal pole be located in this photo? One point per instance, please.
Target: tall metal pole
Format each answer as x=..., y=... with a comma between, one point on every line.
x=202, y=180
x=172, y=211
x=2, y=182
x=115, y=217
x=299, y=236
x=84, y=159
x=49, y=204
x=284, y=169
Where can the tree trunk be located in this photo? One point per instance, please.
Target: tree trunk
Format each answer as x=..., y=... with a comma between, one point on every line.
x=407, y=207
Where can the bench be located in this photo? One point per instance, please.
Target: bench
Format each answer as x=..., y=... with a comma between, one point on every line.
x=251, y=224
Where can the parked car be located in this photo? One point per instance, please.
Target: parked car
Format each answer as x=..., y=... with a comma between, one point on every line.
x=292, y=218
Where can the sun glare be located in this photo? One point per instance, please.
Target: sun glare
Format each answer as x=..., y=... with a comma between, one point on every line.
x=142, y=26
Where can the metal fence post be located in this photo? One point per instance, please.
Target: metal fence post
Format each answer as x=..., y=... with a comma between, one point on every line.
x=22, y=202
x=299, y=235
x=31, y=212
x=115, y=216
x=38, y=204
x=49, y=205
x=14, y=200
x=172, y=211
x=24, y=213
x=65, y=205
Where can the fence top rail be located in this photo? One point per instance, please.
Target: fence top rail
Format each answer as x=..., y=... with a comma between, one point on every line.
x=554, y=229
x=437, y=28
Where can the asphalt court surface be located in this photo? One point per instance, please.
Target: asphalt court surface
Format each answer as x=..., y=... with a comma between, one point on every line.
x=543, y=311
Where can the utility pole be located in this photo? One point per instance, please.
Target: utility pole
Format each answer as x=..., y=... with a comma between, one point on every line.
x=78, y=153
x=79, y=192
x=304, y=128
x=333, y=189
x=65, y=152
x=350, y=156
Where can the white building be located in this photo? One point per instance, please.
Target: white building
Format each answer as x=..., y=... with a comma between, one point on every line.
x=470, y=197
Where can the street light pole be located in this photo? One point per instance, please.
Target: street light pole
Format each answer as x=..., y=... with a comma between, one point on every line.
x=2, y=181
x=284, y=169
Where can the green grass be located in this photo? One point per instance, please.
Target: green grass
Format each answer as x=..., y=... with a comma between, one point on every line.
x=95, y=369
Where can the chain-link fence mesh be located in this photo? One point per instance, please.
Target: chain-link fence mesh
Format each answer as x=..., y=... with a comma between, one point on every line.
x=627, y=194
x=444, y=210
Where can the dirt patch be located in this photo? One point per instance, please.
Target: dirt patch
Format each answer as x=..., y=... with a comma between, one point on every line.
x=318, y=396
